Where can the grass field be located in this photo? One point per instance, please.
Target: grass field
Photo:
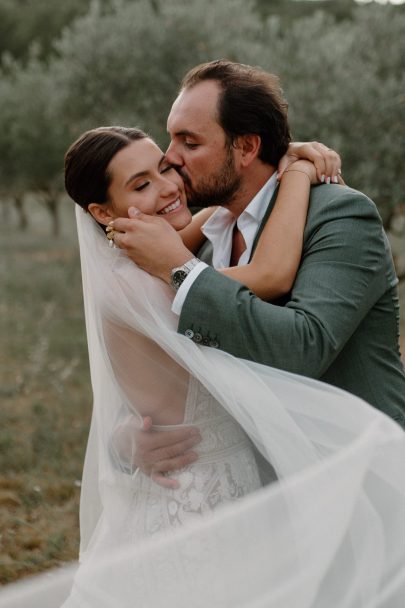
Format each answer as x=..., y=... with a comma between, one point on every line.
x=45, y=398
x=45, y=395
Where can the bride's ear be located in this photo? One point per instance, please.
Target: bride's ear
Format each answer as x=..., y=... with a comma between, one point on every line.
x=101, y=213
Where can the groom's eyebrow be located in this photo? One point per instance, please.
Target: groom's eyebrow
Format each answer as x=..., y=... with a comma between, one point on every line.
x=145, y=172
x=185, y=133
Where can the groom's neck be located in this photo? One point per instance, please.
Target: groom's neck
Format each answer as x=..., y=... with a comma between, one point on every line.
x=252, y=182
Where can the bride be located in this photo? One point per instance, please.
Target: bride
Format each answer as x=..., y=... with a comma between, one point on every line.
x=106, y=171
x=330, y=528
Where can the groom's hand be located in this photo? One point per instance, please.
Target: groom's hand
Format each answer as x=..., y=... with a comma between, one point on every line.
x=160, y=452
x=151, y=243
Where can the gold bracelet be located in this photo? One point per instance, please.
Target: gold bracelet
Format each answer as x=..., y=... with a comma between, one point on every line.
x=298, y=171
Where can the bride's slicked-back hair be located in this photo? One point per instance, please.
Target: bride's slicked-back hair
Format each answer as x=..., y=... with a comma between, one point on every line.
x=86, y=176
x=250, y=102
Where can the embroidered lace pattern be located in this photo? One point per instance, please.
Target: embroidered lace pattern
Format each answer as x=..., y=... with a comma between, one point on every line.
x=225, y=471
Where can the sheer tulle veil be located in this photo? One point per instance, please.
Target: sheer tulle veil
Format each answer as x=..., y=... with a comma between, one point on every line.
x=329, y=532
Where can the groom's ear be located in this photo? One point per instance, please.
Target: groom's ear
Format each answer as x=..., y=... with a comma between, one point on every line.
x=100, y=212
x=248, y=147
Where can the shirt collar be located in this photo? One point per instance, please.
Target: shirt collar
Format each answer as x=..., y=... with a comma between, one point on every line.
x=256, y=209
x=258, y=205
x=218, y=228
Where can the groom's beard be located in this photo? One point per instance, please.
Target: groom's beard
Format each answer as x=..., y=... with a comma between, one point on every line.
x=217, y=189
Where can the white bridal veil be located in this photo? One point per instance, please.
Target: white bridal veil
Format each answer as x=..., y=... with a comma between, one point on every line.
x=329, y=533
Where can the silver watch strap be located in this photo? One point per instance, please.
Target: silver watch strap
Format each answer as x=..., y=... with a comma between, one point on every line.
x=179, y=274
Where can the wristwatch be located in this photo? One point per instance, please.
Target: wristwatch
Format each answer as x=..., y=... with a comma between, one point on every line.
x=178, y=274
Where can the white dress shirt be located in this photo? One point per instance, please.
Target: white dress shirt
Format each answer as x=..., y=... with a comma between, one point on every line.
x=219, y=230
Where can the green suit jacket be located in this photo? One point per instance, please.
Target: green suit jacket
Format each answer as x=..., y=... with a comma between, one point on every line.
x=340, y=323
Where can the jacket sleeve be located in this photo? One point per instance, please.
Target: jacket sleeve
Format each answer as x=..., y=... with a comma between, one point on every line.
x=342, y=274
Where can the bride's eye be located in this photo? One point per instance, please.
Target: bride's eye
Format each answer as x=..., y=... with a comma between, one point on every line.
x=141, y=187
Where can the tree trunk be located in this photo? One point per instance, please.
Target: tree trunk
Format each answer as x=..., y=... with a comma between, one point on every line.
x=22, y=216
x=155, y=6
x=51, y=203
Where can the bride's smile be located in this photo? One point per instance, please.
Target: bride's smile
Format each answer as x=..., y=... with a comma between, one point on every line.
x=140, y=176
x=170, y=208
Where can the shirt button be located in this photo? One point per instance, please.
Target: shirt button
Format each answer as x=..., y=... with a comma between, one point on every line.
x=214, y=344
x=205, y=341
x=189, y=333
x=197, y=337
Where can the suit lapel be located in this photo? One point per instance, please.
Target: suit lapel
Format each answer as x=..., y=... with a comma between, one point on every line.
x=206, y=252
x=264, y=220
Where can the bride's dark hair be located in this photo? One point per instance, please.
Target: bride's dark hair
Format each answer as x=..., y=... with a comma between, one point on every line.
x=86, y=177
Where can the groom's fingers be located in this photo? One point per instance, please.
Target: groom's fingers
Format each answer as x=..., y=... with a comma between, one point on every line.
x=173, y=464
x=164, y=481
x=177, y=440
x=130, y=233
x=164, y=451
x=125, y=224
x=159, y=461
x=168, y=453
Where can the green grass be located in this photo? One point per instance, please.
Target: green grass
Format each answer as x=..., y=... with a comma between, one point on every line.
x=45, y=397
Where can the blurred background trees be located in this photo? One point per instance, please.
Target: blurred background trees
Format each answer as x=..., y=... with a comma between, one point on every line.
x=69, y=67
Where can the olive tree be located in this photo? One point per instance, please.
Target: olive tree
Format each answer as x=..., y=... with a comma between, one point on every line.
x=345, y=84
x=125, y=67
x=32, y=140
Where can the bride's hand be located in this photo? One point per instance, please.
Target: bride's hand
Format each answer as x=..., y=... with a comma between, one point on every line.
x=151, y=243
x=327, y=162
x=306, y=167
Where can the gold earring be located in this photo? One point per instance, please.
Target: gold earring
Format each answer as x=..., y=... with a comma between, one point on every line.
x=110, y=233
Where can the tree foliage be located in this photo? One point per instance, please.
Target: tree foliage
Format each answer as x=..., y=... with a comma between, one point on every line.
x=126, y=67
x=122, y=62
x=346, y=86
x=23, y=23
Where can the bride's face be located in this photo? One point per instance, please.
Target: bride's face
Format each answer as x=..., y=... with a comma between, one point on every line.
x=141, y=177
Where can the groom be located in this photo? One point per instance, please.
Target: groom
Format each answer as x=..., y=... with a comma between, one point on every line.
x=228, y=130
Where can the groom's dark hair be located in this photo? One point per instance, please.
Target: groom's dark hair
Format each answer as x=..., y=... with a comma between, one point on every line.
x=250, y=102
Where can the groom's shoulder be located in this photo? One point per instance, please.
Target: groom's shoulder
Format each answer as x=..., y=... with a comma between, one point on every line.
x=331, y=201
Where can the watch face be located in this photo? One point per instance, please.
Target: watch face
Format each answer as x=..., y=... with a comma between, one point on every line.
x=178, y=277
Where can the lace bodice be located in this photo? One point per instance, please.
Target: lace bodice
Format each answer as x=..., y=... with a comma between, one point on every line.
x=225, y=471
x=221, y=435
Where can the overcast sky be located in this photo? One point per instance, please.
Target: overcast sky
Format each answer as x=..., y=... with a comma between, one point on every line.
x=382, y=1
x=379, y=1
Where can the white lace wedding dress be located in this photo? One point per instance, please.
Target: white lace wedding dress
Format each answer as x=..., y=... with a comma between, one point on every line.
x=225, y=471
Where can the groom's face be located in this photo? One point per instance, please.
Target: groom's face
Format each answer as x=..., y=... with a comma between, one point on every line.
x=199, y=148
